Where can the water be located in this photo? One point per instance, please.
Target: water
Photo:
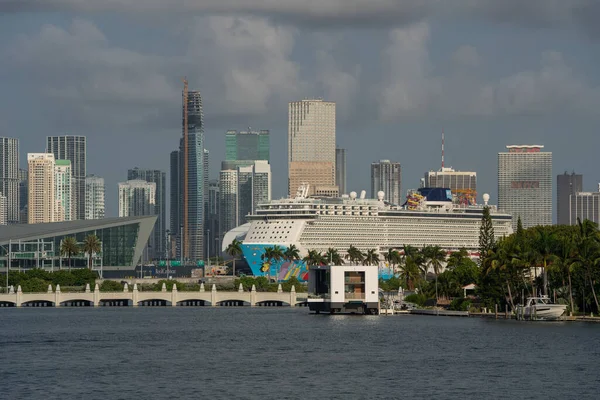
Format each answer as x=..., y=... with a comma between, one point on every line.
x=286, y=353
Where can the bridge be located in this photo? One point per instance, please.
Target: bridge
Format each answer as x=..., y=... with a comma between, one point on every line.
x=135, y=298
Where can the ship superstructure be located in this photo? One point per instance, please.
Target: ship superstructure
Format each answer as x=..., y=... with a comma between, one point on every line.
x=428, y=218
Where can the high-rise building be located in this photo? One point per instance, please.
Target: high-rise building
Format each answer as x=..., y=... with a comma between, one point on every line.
x=9, y=176
x=192, y=176
x=159, y=232
x=340, y=170
x=213, y=231
x=525, y=184
x=72, y=148
x=136, y=198
x=311, y=146
x=567, y=185
x=247, y=145
x=23, y=194
x=228, y=194
x=386, y=176
x=3, y=210
x=176, y=202
x=42, y=195
x=254, y=187
x=584, y=205
x=94, y=197
x=63, y=186
x=462, y=183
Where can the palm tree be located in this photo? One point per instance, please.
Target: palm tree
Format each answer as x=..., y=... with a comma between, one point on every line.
x=393, y=258
x=354, y=254
x=277, y=255
x=91, y=245
x=544, y=246
x=502, y=258
x=436, y=257
x=565, y=261
x=292, y=253
x=266, y=257
x=333, y=256
x=234, y=249
x=409, y=266
x=457, y=258
x=68, y=248
x=371, y=257
x=313, y=258
x=588, y=256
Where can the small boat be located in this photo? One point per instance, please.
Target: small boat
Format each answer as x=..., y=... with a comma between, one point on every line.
x=541, y=308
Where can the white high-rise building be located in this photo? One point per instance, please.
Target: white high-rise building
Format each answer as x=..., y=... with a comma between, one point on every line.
x=137, y=197
x=9, y=177
x=584, y=205
x=63, y=186
x=254, y=187
x=228, y=195
x=386, y=176
x=525, y=184
x=3, y=210
x=42, y=192
x=311, y=146
x=94, y=197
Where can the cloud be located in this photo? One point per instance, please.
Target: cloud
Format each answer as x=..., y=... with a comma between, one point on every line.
x=345, y=13
x=410, y=87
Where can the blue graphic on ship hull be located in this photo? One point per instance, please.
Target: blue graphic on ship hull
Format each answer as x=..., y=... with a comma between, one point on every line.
x=283, y=270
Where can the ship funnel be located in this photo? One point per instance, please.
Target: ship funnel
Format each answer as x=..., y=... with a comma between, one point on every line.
x=363, y=194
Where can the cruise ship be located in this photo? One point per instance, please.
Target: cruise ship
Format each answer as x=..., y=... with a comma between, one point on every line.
x=429, y=217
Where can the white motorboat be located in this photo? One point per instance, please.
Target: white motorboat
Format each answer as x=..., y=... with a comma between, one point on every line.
x=541, y=308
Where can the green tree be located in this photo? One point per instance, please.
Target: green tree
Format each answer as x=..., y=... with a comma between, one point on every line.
x=332, y=256
x=393, y=258
x=565, y=262
x=371, y=257
x=354, y=255
x=234, y=249
x=544, y=246
x=91, y=245
x=435, y=257
x=292, y=253
x=486, y=234
x=69, y=248
x=313, y=258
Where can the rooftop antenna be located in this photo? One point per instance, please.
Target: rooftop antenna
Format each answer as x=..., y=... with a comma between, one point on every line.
x=442, y=148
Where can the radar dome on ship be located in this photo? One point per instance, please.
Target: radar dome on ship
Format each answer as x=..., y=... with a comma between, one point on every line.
x=363, y=194
x=486, y=198
x=380, y=195
x=353, y=195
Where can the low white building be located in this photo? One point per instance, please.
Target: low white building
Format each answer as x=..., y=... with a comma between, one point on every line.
x=343, y=288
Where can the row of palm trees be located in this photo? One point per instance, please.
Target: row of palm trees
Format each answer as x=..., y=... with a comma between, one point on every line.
x=69, y=248
x=559, y=253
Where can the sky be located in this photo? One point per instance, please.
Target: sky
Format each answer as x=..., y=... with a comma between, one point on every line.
x=489, y=73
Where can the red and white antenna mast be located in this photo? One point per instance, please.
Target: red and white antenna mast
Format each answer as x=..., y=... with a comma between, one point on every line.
x=442, y=148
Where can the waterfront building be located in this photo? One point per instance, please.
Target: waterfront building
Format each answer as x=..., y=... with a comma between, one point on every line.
x=386, y=176
x=3, y=210
x=158, y=237
x=228, y=195
x=63, y=186
x=462, y=183
x=42, y=192
x=567, y=185
x=340, y=170
x=247, y=145
x=213, y=231
x=584, y=205
x=23, y=195
x=94, y=197
x=9, y=177
x=525, y=184
x=311, y=146
x=72, y=148
x=38, y=246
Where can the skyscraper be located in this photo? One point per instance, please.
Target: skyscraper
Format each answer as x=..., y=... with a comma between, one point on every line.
x=254, y=187
x=525, y=184
x=228, y=194
x=94, y=197
x=72, y=148
x=23, y=195
x=584, y=205
x=193, y=176
x=311, y=146
x=3, y=210
x=340, y=170
x=159, y=232
x=42, y=196
x=247, y=145
x=9, y=177
x=567, y=185
x=176, y=202
x=462, y=183
x=213, y=218
x=387, y=177
x=63, y=187
x=138, y=197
